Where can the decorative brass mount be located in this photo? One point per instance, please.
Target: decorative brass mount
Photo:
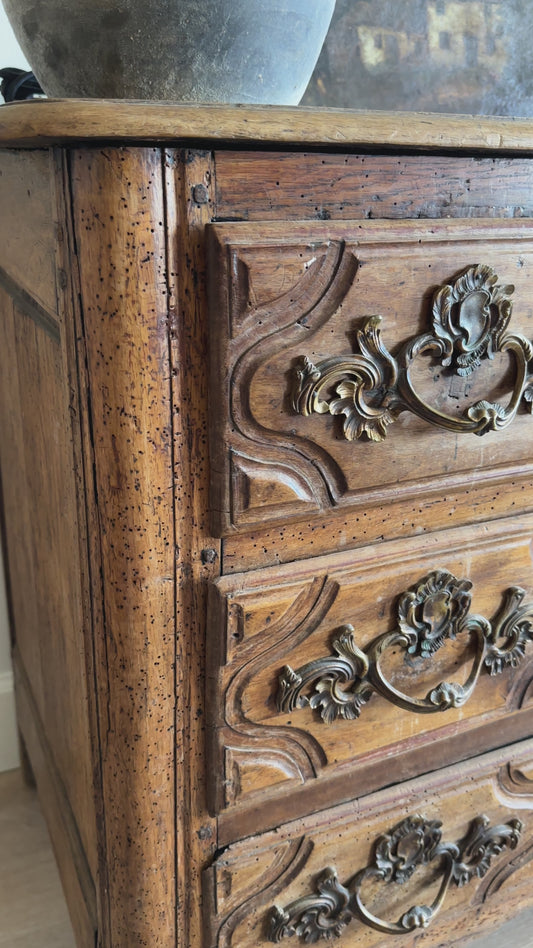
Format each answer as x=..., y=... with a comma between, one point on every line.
x=416, y=841
x=372, y=387
x=433, y=610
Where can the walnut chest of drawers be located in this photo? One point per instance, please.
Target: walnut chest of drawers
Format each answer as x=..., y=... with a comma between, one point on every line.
x=267, y=486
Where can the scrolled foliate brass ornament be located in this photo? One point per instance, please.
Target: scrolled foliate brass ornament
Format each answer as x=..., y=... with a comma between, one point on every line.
x=414, y=842
x=372, y=387
x=435, y=609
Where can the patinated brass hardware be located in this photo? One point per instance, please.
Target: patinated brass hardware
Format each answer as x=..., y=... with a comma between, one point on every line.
x=429, y=613
x=372, y=387
x=414, y=842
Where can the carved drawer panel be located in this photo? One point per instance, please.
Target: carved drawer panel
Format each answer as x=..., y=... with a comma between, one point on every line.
x=429, y=862
x=377, y=369
x=368, y=658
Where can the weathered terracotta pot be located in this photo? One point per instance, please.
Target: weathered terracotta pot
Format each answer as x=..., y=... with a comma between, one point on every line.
x=182, y=50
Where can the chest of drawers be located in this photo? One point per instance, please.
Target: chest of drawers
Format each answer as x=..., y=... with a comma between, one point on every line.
x=267, y=488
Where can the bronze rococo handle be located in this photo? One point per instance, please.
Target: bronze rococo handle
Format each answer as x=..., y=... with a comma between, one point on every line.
x=413, y=842
x=429, y=613
x=372, y=387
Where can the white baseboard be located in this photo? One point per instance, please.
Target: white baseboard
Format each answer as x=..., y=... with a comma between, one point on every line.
x=9, y=748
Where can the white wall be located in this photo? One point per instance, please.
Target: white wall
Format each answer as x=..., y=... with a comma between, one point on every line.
x=10, y=55
x=9, y=753
x=10, y=51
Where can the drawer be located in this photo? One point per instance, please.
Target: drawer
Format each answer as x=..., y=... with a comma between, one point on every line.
x=398, y=659
x=463, y=836
x=321, y=409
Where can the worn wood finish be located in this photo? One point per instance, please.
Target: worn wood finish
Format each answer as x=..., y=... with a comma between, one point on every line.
x=86, y=515
x=29, y=227
x=291, y=615
x=129, y=417
x=258, y=186
x=39, y=505
x=197, y=552
x=284, y=542
x=49, y=641
x=249, y=878
x=160, y=534
x=40, y=528
x=34, y=124
x=303, y=290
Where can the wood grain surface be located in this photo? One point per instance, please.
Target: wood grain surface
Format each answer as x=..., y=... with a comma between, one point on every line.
x=29, y=226
x=118, y=205
x=197, y=553
x=198, y=534
x=48, y=641
x=298, y=291
x=33, y=906
x=40, y=525
x=290, y=616
x=57, y=121
x=63, y=823
x=253, y=876
x=284, y=185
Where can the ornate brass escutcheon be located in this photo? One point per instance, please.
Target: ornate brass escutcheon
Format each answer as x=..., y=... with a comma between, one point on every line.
x=371, y=388
x=429, y=613
x=414, y=842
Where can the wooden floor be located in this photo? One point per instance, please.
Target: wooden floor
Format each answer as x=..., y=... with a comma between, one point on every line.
x=33, y=913
x=515, y=934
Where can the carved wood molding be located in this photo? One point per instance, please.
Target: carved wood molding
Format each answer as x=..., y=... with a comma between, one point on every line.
x=283, y=291
x=371, y=388
x=414, y=842
x=291, y=751
x=429, y=613
x=514, y=789
x=498, y=878
x=316, y=297
x=288, y=861
x=521, y=689
x=328, y=272
x=247, y=753
x=516, y=783
x=252, y=337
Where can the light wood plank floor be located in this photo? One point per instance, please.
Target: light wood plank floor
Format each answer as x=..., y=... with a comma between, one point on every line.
x=33, y=913
x=518, y=934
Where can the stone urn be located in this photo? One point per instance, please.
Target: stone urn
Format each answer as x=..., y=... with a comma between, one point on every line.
x=239, y=51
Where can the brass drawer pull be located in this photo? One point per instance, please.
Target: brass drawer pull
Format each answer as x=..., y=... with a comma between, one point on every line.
x=429, y=613
x=372, y=387
x=414, y=842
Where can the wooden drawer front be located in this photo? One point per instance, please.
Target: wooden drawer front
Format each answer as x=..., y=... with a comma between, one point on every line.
x=293, y=637
x=256, y=888
x=291, y=303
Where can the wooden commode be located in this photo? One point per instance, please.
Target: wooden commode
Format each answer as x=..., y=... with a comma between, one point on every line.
x=266, y=456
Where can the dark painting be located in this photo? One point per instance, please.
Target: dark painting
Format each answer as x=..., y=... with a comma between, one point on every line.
x=472, y=56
